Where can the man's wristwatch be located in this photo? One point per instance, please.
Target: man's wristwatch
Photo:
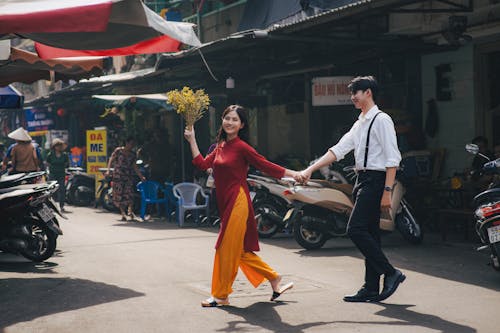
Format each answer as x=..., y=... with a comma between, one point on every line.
x=388, y=188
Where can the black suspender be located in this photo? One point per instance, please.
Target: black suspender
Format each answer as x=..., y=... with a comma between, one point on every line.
x=368, y=140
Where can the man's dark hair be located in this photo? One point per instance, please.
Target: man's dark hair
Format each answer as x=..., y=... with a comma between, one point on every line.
x=364, y=83
x=480, y=139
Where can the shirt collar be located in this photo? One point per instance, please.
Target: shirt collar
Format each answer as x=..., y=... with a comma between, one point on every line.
x=370, y=114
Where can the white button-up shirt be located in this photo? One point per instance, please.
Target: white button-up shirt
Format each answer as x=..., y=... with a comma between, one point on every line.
x=383, y=149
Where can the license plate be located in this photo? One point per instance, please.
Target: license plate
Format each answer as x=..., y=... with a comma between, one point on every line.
x=494, y=234
x=288, y=214
x=252, y=195
x=45, y=213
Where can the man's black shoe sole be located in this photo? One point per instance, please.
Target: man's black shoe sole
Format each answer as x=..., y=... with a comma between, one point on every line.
x=365, y=300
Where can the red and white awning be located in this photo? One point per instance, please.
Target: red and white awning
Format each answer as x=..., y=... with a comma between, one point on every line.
x=106, y=27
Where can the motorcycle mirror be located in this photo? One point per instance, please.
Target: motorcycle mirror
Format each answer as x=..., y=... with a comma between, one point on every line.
x=472, y=148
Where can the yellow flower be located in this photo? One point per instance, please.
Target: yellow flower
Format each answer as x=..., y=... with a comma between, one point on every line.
x=190, y=105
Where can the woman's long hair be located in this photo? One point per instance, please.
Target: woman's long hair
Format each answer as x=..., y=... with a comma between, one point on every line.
x=243, y=133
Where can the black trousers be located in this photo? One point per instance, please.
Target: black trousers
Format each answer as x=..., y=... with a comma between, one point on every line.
x=363, y=227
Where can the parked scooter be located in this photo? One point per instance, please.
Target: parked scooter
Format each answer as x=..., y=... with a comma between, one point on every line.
x=80, y=187
x=320, y=213
x=28, y=226
x=7, y=181
x=487, y=213
x=269, y=203
x=105, y=191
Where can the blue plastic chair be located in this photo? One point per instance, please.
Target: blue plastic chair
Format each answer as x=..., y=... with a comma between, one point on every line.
x=186, y=194
x=149, y=195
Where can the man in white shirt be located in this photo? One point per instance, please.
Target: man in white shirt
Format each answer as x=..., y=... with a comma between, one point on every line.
x=377, y=158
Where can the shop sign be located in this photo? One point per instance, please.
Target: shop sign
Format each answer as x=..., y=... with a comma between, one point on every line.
x=331, y=90
x=38, y=119
x=96, y=151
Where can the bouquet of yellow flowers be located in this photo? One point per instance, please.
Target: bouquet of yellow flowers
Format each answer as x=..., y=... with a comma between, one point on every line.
x=190, y=105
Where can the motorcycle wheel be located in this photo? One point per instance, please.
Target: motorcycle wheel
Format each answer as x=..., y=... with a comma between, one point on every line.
x=106, y=199
x=307, y=237
x=408, y=227
x=266, y=227
x=41, y=244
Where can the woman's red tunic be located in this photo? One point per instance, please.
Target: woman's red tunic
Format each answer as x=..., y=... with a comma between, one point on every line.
x=230, y=161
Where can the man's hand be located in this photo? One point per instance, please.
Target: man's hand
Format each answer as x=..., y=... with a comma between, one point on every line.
x=304, y=176
x=385, y=203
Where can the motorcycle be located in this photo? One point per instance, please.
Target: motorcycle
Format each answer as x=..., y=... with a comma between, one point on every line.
x=7, y=181
x=80, y=187
x=320, y=213
x=28, y=226
x=105, y=191
x=487, y=213
x=270, y=204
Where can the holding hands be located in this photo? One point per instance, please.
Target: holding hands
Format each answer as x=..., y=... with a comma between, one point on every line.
x=301, y=176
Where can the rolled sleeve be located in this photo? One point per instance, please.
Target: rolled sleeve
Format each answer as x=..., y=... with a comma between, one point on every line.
x=344, y=146
x=391, y=150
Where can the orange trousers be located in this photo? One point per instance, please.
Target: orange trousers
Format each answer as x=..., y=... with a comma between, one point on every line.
x=230, y=255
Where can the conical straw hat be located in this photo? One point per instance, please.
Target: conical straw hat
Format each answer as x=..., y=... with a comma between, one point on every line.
x=19, y=134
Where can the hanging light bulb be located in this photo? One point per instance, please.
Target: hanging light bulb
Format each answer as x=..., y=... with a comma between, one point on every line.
x=230, y=83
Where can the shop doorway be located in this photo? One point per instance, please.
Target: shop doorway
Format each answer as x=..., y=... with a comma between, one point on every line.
x=487, y=96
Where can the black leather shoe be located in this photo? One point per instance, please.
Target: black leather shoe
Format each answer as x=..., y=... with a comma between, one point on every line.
x=363, y=295
x=391, y=283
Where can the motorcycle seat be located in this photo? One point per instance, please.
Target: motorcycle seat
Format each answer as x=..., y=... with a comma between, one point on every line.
x=15, y=193
x=486, y=195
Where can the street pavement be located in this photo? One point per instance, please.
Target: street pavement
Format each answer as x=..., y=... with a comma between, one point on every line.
x=112, y=276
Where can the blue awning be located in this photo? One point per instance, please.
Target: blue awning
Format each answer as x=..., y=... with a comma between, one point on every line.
x=10, y=98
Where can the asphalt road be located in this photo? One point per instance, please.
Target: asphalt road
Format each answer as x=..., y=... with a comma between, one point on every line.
x=112, y=276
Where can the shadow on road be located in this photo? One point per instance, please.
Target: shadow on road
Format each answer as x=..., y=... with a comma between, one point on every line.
x=38, y=297
x=411, y=318
x=263, y=314
x=15, y=266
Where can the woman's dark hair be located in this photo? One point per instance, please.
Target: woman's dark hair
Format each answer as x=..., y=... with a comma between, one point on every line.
x=243, y=133
x=364, y=83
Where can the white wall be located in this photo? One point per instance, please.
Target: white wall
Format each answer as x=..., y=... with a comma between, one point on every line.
x=456, y=117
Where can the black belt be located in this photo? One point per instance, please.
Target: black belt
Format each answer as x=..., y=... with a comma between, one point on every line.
x=375, y=173
x=369, y=171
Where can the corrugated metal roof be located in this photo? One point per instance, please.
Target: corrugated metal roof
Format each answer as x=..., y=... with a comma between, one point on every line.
x=334, y=11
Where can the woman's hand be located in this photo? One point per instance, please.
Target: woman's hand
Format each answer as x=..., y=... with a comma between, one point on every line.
x=189, y=134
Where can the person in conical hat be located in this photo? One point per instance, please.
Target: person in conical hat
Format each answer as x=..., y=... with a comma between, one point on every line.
x=20, y=134
x=23, y=154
